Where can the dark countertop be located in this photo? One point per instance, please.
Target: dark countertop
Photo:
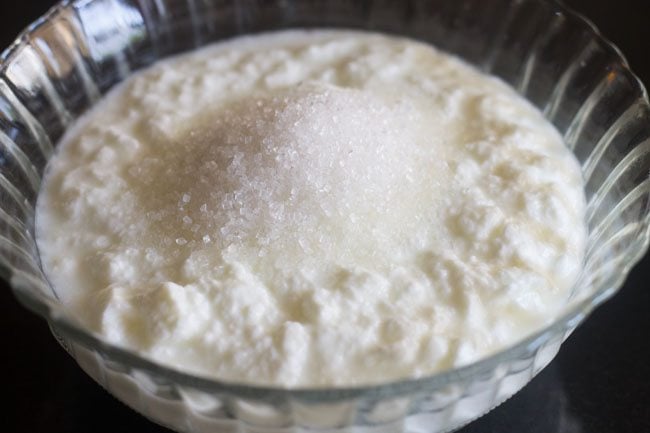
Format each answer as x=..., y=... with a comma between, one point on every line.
x=599, y=383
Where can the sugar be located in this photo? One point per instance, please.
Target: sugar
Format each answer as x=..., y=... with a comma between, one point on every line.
x=301, y=173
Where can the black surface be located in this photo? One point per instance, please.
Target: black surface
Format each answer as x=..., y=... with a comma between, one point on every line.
x=599, y=383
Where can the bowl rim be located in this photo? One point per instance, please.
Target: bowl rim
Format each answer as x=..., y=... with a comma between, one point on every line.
x=61, y=322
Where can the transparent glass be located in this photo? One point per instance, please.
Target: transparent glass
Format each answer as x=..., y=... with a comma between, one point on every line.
x=69, y=58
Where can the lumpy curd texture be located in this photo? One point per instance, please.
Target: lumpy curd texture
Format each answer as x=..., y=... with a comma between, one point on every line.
x=318, y=208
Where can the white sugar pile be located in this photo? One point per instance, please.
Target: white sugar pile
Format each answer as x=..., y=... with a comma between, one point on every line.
x=314, y=171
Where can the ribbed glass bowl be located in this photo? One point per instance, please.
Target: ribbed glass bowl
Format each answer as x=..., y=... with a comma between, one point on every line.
x=69, y=58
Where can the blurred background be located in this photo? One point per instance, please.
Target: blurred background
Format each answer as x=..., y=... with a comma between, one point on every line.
x=599, y=383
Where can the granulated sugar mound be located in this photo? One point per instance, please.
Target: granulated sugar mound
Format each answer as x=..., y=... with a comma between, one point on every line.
x=317, y=170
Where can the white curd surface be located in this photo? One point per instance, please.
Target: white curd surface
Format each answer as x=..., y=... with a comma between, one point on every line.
x=313, y=209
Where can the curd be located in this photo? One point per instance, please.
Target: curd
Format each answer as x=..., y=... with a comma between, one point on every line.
x=313, y=208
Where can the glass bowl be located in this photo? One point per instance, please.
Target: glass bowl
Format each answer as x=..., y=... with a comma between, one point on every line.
x=68, y=59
